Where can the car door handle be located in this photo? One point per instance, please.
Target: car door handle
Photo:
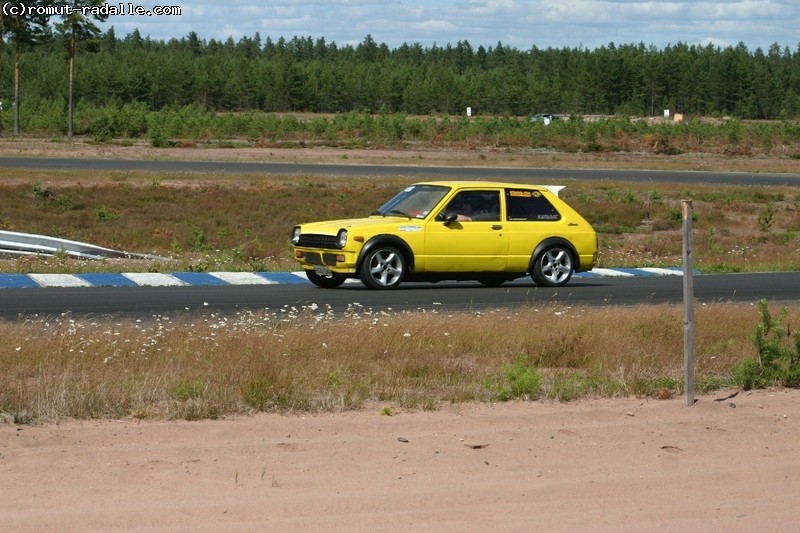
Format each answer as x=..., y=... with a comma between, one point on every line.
x=497, y=226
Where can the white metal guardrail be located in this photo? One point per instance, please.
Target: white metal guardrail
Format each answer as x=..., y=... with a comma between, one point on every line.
x=13, y=243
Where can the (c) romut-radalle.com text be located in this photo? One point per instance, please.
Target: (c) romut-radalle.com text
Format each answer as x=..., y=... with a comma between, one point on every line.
x=12, y=9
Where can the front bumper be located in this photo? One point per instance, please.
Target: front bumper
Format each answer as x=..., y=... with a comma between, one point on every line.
x=338, y=261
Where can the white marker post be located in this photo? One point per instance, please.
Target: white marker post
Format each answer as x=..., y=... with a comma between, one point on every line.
x=688, y=304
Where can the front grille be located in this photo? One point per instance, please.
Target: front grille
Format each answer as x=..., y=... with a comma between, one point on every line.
x=311, y=240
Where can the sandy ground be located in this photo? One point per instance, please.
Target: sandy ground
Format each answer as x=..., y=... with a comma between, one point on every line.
x=723, y=464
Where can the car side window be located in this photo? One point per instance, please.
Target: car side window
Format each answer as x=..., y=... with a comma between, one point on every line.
x=528, y=205
x=475, y=206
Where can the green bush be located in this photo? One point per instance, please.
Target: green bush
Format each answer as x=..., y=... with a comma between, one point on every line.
x=168, y=124
x=777, y=363
x=41, y=116
x=520, y=380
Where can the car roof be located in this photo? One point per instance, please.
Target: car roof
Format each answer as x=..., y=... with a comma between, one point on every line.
x=555, y=189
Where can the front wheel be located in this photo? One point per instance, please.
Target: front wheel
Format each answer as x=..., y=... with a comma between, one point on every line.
x=382, y=268
x=553, y=267
x=326, y=282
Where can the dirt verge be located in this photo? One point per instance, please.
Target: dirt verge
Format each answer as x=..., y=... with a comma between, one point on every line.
x=727, y=463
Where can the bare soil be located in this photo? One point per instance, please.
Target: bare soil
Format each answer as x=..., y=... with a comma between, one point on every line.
x=722, y=464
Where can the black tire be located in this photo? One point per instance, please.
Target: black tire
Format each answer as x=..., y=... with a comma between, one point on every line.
x=553, y=267
x=324, y=281
x=383, y=267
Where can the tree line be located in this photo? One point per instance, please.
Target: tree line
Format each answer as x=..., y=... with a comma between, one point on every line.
x=71, y=61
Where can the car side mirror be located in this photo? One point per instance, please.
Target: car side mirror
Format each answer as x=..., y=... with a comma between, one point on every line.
x=447, y=218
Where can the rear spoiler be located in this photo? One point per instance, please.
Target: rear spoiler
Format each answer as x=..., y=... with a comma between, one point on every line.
x=554, y=188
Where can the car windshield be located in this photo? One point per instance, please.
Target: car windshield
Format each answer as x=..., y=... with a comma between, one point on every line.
x=415, y=201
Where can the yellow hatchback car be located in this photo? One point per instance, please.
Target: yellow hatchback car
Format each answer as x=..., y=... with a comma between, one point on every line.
x=452, y=230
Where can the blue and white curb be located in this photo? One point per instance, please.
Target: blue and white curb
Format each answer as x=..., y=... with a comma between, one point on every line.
x=149, y=279
x=631, y=272
x=187, y=279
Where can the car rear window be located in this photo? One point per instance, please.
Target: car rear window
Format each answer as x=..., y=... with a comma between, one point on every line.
x=526, y=204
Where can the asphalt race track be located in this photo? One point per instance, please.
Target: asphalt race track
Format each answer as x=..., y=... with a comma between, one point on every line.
x=225, y=299
x=422, y=172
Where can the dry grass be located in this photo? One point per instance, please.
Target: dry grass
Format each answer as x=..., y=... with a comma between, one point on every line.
x=305, y=359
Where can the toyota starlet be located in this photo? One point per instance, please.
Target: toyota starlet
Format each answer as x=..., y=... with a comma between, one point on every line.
x=452, y=230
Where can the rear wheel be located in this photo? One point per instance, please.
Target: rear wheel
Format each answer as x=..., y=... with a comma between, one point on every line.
x=383, y=268
x=553, y=267
x=326, y=282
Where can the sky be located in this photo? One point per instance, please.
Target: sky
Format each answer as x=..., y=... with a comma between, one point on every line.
x=519, y=24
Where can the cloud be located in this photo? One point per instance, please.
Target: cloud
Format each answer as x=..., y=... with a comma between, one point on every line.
x=436, y=26
x=517, y=23
x=719, y=43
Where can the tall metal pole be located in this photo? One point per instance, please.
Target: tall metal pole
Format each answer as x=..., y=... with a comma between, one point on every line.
x=688, y=304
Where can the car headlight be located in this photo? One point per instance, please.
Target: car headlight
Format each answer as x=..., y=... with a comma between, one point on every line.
x=296, y=235
x=341, y=238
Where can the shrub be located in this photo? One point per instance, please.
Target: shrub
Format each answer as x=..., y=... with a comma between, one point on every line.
x=519, y=381
x=777, y=363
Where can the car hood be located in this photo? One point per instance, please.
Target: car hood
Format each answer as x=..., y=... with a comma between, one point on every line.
x=332, y=227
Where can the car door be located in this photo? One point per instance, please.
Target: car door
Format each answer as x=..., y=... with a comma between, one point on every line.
x=476, y=242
